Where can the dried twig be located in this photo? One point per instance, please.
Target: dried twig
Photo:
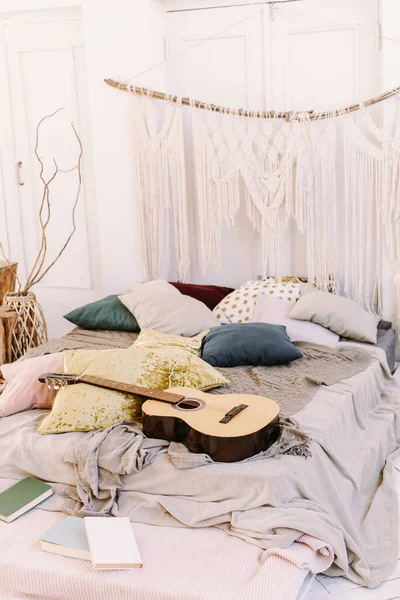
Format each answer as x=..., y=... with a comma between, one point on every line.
x=45, y=201
x=39, y=275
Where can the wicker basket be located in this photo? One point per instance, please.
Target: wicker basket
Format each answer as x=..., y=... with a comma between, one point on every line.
x=30, y=328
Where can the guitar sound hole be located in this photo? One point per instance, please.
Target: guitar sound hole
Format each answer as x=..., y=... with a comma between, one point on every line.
x=188, y=404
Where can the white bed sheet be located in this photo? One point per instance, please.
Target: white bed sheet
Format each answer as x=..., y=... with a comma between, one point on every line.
x=179, y=564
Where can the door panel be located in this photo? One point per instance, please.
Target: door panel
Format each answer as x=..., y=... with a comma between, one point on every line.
x=46, y=71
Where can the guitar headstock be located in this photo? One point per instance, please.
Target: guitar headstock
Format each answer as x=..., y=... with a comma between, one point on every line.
x=55, y=381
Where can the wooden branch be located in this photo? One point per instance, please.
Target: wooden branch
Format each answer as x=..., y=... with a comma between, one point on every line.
x=41, y=256
x=45, y=201
x=39, y=276
x=272, y=114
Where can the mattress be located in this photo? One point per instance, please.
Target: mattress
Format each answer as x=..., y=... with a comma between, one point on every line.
x=386, y=341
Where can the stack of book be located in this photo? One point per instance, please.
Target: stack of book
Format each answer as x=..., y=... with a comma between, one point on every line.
x=109, y=543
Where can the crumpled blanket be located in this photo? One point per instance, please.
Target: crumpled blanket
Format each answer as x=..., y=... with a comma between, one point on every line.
x=101, y=458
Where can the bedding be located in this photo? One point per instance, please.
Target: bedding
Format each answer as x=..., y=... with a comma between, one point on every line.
x=386, y=339
x=23, y=390
x=84, y=407
x=81, y=338
x=160, y=306
x=257, y=344
x=337, y=313
x=293, y=385
x=210, y=295
x=175, y=561
x=107, y=313
x=271, y=503
x=267, y=502
x=238, y=307
x=155, y=339
x=270, y=309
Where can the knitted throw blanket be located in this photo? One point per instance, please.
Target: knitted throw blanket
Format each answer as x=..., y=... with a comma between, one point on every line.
x=295, y=384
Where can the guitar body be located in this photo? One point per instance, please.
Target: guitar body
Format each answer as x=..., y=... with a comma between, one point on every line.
x=195, y=422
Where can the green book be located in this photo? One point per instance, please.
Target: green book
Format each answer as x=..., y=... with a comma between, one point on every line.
x=21, y=497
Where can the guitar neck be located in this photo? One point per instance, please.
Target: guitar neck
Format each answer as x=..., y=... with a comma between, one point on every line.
x=128, y=388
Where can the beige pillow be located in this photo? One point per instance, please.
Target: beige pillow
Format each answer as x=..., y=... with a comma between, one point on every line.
x=341, y=315
x=158, y=305
x=83, y=407
x=156, y=339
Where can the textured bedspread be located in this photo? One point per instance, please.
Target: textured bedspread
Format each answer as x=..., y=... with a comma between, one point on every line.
x=344, y=494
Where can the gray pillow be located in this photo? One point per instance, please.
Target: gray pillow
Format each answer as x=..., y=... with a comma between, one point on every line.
x=257, y=344
x=341, y=315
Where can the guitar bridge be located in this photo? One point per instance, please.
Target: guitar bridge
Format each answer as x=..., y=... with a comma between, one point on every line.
x=233, y=412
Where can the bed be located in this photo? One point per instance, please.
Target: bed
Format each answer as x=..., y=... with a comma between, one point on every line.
x=355, y=431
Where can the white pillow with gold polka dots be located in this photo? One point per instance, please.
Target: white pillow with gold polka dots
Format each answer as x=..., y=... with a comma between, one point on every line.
x=285, y=289
x=239, y=306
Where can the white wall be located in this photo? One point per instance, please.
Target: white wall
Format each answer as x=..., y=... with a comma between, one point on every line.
x=122, y=39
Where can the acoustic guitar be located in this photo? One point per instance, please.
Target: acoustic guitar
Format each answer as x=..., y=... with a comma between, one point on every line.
x=228, y=427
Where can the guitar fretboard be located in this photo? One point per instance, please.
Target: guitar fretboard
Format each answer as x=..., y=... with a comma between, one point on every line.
x=128, y=388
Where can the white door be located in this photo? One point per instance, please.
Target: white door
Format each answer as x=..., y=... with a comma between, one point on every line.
x=45, y=71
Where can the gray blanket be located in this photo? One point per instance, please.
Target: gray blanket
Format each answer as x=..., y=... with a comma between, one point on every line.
x=344, y=495
x=293, y=385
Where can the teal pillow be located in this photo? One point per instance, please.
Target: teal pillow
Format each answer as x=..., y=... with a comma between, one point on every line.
x=257, y=344
x=108, y=313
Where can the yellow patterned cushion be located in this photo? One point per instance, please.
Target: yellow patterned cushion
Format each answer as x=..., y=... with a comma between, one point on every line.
x=83, y=407
x=156, y=339
x=239, y=306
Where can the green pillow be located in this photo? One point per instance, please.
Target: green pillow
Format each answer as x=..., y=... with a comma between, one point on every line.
x=108, y=313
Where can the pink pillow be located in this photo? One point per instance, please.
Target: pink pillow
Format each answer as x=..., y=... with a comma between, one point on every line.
x=23, y=391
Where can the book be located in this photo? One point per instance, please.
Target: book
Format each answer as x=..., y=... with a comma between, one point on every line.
x=21, y=497
x=67, y=538
x=112, y=543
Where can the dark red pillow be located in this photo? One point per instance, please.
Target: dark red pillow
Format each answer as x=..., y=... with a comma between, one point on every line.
x=210, y=295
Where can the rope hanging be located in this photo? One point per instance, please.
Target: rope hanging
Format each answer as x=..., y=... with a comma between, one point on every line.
x=288, y=115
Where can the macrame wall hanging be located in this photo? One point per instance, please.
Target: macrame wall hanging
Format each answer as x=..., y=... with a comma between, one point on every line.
x=323, y=171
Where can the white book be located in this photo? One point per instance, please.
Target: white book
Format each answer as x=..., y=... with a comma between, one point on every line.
x=112, y=543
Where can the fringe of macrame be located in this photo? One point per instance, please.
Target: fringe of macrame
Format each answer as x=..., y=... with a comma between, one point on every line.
x=364, y=171
x=160, y=186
